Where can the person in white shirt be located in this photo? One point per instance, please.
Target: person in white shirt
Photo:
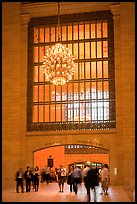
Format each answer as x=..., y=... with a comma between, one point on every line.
x=84, y=174
x=105, y=179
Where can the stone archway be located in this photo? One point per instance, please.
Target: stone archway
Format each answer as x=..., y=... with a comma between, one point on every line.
x=69, y=154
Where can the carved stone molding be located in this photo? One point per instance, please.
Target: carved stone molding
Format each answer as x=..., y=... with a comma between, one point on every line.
x=25, y=18
x=115, y=9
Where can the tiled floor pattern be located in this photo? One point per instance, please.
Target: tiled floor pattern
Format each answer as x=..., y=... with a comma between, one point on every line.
x=50, y=193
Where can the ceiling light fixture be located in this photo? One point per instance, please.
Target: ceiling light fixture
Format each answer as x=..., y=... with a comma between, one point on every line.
x=58, y=62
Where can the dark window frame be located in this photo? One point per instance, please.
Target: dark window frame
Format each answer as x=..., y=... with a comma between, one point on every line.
x=111, y=124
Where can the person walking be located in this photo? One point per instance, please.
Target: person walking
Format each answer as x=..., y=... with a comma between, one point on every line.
x=28, y=178
x=69, y=179
x=105, y=179
x=36, y=178
x=84, y=174
x=19, y=179
x=61, y=178
x=77, y=178
x=47, y=173
x=91, y=182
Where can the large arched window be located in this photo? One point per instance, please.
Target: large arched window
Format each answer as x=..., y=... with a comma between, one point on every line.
x=88, y=100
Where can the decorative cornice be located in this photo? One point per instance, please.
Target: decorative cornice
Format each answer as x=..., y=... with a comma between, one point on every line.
x=115, y=9
x=25, y=18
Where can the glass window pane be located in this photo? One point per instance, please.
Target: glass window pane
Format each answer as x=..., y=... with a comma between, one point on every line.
x=76, y=111
x=81, y=50
x=35, y=93
x=87, y=70
x=99, y=85
x=64, y=92
x=76, y=71
x=52, y=34
x=35, y=54
x=75, y=32
x=81, y=91
x=64, y=112
x=70, y=32
x=35, y=35
x=87, y=50
x=93, y=50
x=52, y=92
x=106, y=89
x=98, y=30
x=35, y=114
x=41, y=34
x=35, y=74
x=82, y=111
x=75, y=91
x=52, y=113
x=58, y=93
x=70, y=47
x=46, y=92
x=41, y=53
x=99, y=69
x=88, y=111
x=81, y=31
x=58, y=112
x=105, y=69
x=41, y=93
x=94, y=111
x=87, y=85
x=70, y=112
x=105, y=29
x=41, y=113
x=87, y=30
x=99, y=50
x=70, y=91
x=47, y=35
x=46, y=113
x=93, y=70
x=92, y=30
x=76, y=50
x=105, y=48
x=81, y=70
x=93, y=85
x=63, y=33
x=41, y=74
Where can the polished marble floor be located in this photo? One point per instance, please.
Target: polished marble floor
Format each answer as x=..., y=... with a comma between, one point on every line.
x=50, y=193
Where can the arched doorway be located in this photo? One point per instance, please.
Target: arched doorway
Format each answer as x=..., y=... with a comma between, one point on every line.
x=77, y=154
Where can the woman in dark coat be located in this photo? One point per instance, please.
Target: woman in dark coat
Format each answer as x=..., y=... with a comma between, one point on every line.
x=36, y=178
x=69, y=179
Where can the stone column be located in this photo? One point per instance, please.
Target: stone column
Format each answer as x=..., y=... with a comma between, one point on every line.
x=25, y=18
x=116, y=151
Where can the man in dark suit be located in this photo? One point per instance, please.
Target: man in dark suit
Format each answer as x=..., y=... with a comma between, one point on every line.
x=28, y=175
x=19, y=179
x=92, y=181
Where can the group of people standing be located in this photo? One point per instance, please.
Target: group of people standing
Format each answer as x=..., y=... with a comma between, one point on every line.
x=89, y=175
x=30, y=177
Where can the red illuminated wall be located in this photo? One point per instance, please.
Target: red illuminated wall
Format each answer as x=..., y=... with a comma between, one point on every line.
x=57, y=153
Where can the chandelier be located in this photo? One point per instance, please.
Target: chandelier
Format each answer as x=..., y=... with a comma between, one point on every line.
x=58, y=62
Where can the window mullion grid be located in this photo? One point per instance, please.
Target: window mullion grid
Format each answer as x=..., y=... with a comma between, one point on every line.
x=38, y=71
x=102, y=73
x=96, y=108
x=78, y=78
x=90, y=75
x=84, y=82
x=73, y=81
